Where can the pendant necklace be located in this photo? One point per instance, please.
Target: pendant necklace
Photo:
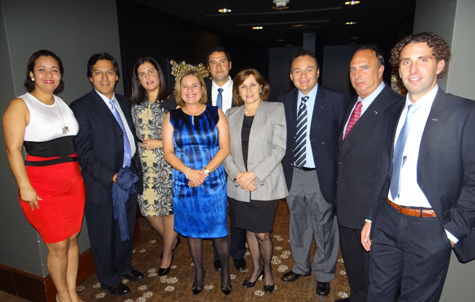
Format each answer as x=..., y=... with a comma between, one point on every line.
x=65, y=128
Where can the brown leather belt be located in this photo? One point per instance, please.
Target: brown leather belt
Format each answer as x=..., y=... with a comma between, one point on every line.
x=412, y=212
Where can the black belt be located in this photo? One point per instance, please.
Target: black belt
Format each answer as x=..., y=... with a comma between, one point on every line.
x=49, y=162
x=305, y=168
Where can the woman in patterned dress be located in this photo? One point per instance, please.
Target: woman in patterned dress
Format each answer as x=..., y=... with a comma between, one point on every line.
x=151, y=102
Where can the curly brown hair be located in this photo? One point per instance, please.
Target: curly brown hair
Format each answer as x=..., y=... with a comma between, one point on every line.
x=440, y=49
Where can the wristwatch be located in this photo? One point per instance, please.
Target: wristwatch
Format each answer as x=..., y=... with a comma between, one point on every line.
x=206, y=171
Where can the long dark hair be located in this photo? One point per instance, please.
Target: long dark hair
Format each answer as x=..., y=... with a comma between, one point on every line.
x=139, y=94
x=29, y=83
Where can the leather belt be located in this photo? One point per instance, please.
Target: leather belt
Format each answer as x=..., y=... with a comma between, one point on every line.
x=305, y=168
x=412, y=212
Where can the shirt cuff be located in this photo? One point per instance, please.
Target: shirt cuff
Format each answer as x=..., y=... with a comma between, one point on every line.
x=451, y=237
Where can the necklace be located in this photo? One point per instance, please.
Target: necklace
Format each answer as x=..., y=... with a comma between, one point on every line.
x=65, y=128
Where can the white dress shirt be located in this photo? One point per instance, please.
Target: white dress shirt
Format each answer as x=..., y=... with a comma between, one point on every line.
x=227, y=94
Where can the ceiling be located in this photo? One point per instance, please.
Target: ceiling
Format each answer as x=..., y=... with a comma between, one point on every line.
x=374, y=19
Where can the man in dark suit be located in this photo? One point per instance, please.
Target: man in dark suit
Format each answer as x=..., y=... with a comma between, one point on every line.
x=220, y=93
x=427, y=204
x=314, y=115
x=104, y=145
x=357, y=168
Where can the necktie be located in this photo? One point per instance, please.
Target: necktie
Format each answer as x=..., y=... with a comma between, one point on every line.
x=301, y=136
x=127, y=149
x=398, y=160
x=355, y=115
x=219, y=99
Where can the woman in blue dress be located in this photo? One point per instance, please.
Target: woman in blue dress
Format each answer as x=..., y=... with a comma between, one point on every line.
x=195, y=143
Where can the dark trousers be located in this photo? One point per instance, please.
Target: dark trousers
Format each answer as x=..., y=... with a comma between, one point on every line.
x=112, y=257
x=410, y=254
x=356, y=260
x=237, y=246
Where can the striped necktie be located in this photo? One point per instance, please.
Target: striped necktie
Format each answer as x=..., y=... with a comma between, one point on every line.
x=355, y=116
x=301, y=136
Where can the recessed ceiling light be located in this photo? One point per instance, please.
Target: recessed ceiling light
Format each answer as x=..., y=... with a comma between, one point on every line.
x=279, y=40
x=299, y=25
x=280, y=4
x=257, y=27
x=224, y=10
x=352, y=2
x=350, y=23
x=354, y=38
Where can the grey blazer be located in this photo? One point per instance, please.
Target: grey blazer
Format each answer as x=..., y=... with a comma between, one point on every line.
x=267, y=143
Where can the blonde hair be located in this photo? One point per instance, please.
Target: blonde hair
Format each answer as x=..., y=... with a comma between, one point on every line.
x=197, y=74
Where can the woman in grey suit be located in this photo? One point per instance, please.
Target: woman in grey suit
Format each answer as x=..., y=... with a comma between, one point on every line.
x=255, y=176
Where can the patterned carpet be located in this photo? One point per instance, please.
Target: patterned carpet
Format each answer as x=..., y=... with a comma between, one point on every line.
x=176, y=286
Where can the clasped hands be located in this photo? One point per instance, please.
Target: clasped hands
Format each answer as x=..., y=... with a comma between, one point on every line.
x=196, y=178
x=246, y=181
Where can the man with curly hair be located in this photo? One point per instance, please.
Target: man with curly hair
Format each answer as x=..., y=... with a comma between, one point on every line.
x=427, y=202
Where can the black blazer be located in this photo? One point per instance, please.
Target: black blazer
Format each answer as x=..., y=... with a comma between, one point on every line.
x=99, y=145
x=446, y=168
x=357, y=161
x=326, y=121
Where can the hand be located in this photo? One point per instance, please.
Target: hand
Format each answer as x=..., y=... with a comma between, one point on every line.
x=251, y=187
x=114, y=178
x=365, y=232
x=151, y=144
x=245, y=178
x=196, y=178
x=29, y=195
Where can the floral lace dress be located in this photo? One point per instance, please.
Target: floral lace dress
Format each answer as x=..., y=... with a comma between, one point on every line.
x=156, y=199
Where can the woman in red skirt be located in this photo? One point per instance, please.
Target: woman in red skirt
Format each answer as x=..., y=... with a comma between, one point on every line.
x=51, y=189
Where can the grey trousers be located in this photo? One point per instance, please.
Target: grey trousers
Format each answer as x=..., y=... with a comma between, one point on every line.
x=311, y=218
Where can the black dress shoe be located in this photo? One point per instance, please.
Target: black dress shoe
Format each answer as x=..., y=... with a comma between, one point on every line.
x=217, y=265
x=134, y=276
x=240, y=264
x=197, y=289
x=120, y=289
x=165, y=271
x=343, y=300
x=249, y=284
x=291, y=276
x=226, y=290
x=323, y=288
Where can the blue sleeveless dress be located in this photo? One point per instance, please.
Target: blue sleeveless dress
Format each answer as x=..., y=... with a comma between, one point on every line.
x=199, y=212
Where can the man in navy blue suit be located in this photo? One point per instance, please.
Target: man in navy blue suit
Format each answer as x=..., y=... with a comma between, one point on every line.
x=219, y=65
x=309, y=168
x=427, y=201
x=104, y=145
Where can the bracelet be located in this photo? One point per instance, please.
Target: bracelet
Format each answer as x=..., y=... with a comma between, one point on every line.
x=186, y=173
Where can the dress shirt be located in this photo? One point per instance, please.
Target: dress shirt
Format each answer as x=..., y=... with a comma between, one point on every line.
x=227, y=94
x=411, y=194
x=310, y=162
x=130, y=136
x=367, y=101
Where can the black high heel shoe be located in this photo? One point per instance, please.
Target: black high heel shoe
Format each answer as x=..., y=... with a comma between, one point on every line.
x=226, y=290
x=165, y=271
x=249, y=284
x=268, y=288
x=198, y=289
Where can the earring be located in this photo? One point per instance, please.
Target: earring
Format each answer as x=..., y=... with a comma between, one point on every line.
x=32, y=79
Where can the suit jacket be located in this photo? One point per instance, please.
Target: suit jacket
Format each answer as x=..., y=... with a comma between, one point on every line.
x=330, y=106
x=446, y=168
x=267, y=142
x=357, y=161
x=99, y=145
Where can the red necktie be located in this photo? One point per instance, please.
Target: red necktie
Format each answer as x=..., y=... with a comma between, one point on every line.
x=355, y=115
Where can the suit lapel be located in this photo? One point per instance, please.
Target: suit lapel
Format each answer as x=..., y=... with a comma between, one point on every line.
x=236, y=140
